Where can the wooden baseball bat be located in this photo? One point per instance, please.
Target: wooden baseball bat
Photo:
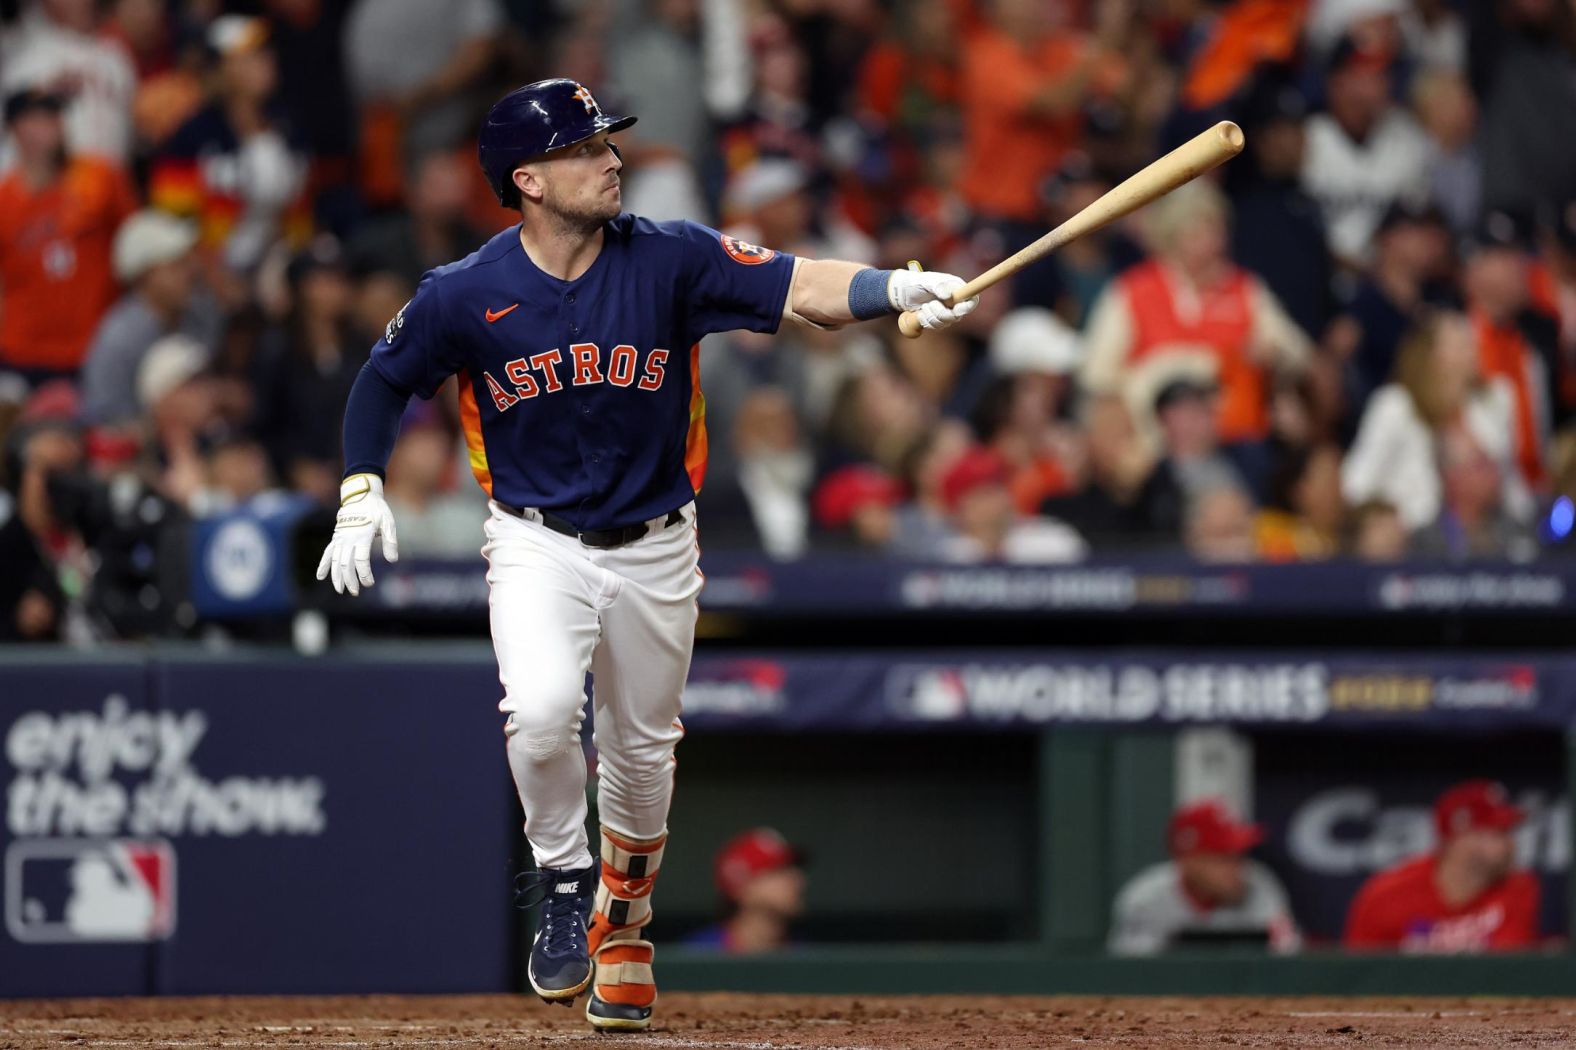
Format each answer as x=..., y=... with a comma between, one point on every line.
x=1188, y=161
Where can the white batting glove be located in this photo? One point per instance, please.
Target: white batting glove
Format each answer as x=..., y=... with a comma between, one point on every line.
x=922, y=291
x=363, y=515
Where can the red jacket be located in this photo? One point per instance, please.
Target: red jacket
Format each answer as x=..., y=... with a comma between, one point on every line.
x=1400, y=909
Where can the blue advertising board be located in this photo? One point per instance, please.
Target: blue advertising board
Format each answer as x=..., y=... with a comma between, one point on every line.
x=192, y=826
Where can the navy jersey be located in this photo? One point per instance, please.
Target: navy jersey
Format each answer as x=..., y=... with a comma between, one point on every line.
x=583, y=397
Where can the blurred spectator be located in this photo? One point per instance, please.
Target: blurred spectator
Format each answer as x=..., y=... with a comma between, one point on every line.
x=1191, y=463
x=1026, y=74
x=913, y=73
x=1085, y=267
x=1522, y=63
x=58, y=217
x=1238, y=38
x=859, y=502
x=1466, y=896
x=1219, y=526
x=1367, y=334
x=683, y=63
x=171, y=69
x=1515, y=343
x=1190, y=297
x=56, y=47
x=762, y=503
x=1436, y=35
x=307, y=38
x=1278, y=232
x=921, y=528
x=1363, y=153
x=1209, y=892
x=1370, y=23
x=1472, y=522
x=1305, y=513
x=778, y=121
x=1437, y=385
x=1448, y=114
x=436, y=517
x=989, y=527
x=761, y=880
x=413, y=66
x=305, y=369
x=1102, y=507
x=153, y=258
x=32, y=538
x=234, y=166
x=430, y=231
x=1377, y=532
x=1021, y=414
x=1556, y=289
x=876, y=417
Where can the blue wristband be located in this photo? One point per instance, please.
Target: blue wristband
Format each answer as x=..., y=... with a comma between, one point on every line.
x=867, y=294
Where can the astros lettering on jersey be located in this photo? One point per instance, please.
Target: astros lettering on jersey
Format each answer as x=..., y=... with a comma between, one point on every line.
x=583, y=396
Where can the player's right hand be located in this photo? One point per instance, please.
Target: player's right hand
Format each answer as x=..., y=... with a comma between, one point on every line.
x=363, y=516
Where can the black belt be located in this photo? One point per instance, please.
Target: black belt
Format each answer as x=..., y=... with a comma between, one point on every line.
x=601, y=538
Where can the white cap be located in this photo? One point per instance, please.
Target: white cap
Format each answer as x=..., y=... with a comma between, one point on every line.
x=1033, y=339
x=148, y=238
x=230, y=33
x=168, y=363
x=762, y=183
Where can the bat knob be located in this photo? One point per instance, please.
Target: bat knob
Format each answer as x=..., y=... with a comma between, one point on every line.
x=908, y=324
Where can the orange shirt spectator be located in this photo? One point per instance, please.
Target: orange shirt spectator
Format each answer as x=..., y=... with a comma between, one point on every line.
x=1497, y=280
x=1023, y=84
x=908, y=75
x=58, y=218
x=1464, y=897
x=1192, y=299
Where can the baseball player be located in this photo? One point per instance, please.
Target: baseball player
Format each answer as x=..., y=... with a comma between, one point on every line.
x=1209, y=892
x=575, y=338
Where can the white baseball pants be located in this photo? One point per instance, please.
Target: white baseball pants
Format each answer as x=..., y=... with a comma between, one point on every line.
x=559, y=609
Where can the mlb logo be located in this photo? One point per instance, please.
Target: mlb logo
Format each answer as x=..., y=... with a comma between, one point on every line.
x=82, y=891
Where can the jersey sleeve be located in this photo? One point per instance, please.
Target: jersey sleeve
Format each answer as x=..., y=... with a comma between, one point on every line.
x=730, y=284
x=416, y=353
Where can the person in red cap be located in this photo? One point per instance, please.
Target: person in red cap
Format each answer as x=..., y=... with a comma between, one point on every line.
x=1209, y=892
x=988, y=527
x=1466, y=896
x=761, y=879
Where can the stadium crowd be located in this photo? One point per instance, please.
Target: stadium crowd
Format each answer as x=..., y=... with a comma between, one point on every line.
x=1358, y=339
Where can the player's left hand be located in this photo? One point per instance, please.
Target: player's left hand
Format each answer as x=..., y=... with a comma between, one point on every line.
x=363, y=516
x=925, y=292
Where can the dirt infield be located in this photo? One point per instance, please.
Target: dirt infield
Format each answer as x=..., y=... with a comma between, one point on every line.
x=754, y=1022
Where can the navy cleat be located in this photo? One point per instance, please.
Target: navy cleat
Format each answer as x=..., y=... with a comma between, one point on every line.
x=614, y=1017
x=560, y=966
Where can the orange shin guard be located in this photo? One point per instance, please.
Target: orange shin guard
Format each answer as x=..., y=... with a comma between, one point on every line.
x=623, y=907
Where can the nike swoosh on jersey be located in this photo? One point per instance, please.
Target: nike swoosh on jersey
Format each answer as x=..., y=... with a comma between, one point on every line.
x=493, y=316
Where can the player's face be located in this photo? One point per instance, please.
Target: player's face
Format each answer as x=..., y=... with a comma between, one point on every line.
x=1216, y=877
x=1490, y=852
x=581, y=185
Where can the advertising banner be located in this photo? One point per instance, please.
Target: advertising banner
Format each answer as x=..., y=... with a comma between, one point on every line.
x=189, y=826
x=1162, y=585
x=1015, y=690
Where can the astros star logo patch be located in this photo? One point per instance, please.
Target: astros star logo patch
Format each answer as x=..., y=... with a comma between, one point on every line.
x=744, y=252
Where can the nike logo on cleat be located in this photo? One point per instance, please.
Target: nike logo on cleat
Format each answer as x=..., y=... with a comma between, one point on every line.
x=495, y=315
x=564, y=887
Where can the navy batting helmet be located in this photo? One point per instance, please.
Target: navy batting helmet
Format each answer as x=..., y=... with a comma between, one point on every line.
x=537, y=119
